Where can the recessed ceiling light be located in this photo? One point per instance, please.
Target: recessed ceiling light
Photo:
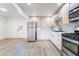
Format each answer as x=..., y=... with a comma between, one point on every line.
x=28, y=3
x=3, y=9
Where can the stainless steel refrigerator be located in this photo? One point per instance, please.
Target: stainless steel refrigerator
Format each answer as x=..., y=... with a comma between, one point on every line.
x=31, y=31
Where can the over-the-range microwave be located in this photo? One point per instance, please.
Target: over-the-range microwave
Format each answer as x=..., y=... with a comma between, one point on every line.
x=74, y=12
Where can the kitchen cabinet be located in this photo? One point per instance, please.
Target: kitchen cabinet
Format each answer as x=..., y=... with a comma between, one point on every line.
x=56, y=39
x=64, y=13
x=43, y=33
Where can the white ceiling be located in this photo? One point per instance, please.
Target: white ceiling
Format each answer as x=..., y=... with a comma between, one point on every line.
x=35, y=9
x=11, y=10
x=39, y=9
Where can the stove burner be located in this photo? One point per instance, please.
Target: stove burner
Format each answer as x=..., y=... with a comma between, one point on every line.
x=73, y=36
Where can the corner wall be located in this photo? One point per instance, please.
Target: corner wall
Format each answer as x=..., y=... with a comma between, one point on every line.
x=2, y=28
x=16, y=28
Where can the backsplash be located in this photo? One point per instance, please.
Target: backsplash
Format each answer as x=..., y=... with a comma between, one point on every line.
x=70, y=27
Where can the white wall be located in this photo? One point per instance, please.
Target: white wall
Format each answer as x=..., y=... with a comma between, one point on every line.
x=12, y=26
x=2, y=27
x=13, y=30
x=9, y=29
x=70, y=27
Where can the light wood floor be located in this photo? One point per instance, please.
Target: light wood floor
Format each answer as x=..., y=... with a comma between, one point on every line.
x=20, y=47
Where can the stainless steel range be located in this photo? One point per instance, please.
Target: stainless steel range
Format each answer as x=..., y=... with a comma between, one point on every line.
x=70, y=44
x=70, y=41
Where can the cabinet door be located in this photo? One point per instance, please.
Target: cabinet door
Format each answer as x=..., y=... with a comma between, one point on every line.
x=56, y=39
x=43, y=33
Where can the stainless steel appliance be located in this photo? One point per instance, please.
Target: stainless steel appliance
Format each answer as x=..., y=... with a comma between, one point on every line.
x=31, y=31
x=74, y=11
x=70, y=44
x=76, y=29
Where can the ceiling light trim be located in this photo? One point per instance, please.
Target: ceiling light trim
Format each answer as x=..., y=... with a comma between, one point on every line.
x=3, y=9
x=19, y=9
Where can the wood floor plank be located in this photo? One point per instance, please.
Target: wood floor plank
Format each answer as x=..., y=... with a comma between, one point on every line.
x=20, y=47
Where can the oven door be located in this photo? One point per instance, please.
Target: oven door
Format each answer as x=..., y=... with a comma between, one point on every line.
x=73, y=48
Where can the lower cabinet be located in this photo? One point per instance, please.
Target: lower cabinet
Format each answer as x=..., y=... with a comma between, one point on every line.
x=56, y=39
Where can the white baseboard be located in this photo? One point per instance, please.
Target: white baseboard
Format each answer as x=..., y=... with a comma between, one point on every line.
x=2, y=38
